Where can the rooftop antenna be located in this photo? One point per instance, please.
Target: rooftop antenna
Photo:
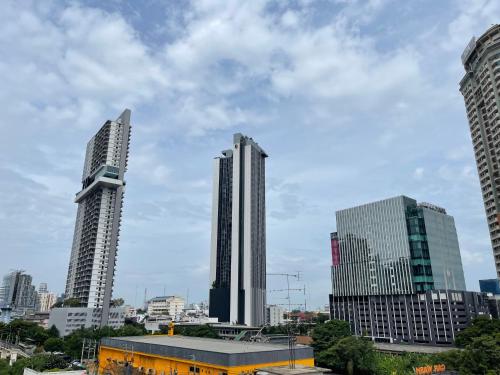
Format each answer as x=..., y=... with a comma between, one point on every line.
x=291, y=336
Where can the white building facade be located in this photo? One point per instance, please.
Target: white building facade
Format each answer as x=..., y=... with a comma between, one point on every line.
x=275, y=315
x=171, y=306
x=95, y=242
x=69, y=319
x=45, y=301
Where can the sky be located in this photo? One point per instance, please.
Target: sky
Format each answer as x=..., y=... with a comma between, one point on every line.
x=354, y=101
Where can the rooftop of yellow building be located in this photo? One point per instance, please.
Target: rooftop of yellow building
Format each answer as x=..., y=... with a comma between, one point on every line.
x=213, y=351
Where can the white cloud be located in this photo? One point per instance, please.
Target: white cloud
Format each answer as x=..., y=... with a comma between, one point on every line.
x=418, y=174
x=472, y=257
x=474, y=16
x=66, y=66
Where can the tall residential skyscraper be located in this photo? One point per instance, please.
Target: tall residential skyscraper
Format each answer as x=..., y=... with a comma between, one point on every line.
x=93, y=255
x=238, y=248
x=395, y=246
x=481, y=90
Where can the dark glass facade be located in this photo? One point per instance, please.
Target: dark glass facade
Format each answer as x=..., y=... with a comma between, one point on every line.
x=419, y=249
x=433, y=317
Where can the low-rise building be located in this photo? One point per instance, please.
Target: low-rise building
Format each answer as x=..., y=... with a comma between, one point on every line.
x=434, y=317
x=275, y=315
x=491, y=286
x=40, y=318
x=171, y=306
x=182, y=355
x=130, y=311
x=69, y=319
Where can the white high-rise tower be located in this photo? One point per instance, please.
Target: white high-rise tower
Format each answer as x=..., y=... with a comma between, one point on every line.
x=93, y=255
x=481, y=90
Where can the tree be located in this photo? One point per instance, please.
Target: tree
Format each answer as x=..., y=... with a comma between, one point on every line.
x=73, y=342
x=479, y=326
x=349, y=354
x=321, y=318
x=72, y=302
x=197, y=331
x=53, y=331
x=39, y=362
x=118, y=302
x=53, y=344
x=131, y=330
x=482, y=355
x=327, y=334
x=27, y=331
x=402, y=364
x=57, y=304
x=4, y=367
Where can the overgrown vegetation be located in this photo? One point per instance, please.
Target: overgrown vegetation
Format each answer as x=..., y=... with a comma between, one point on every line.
x=197, y=331
x=50, y=342
x=479, y=352
x=39, y=362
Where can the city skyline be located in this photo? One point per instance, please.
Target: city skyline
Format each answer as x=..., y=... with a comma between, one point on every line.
x=351, y=109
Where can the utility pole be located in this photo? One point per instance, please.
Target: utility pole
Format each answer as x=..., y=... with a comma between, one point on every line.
x=88, y=350
x=291, y=337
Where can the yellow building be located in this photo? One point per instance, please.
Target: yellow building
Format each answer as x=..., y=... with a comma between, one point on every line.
x=182, y=355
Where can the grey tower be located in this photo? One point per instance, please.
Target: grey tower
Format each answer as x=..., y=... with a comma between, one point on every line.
x=238, y=248
x=18, y=293
x=481, y=90
x=93, y=254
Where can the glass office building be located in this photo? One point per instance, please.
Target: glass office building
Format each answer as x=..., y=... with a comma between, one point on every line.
x=395, y=246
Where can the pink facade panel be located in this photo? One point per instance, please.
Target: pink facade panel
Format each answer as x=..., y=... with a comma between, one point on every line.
x=335, y=252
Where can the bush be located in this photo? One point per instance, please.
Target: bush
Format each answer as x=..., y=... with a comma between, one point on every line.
x=197, y=331
x=327, y=334
x=40, y=362
x=401, y=364
x=479, y=326
x=349, y=355
x=53, y=344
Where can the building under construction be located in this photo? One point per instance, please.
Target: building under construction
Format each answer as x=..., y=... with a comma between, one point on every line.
x=182, y=355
